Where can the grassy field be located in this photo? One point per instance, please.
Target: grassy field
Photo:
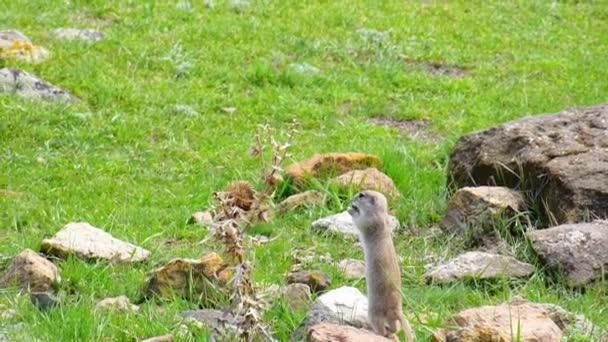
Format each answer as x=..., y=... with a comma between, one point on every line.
x=130, y=160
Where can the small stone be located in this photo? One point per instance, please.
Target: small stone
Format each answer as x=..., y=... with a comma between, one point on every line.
x=229, y=110
x=304, y=68
x=185, y=277
x=185, y=109
x=298, y=296
x=203, y=218
x=343, y=224
x=326, y=332
x=344, y=306
x=239, y=5
x=317, y=280
x=219, y=321
x=373, y=35
x=25, y=85
x=480, y=208
x=88, y=242
x=30, y=271
x=352, y=268
x=305, y=199
x=185, y=5
x=369, y=179
x=478, y=265
x=578, y=250
x=120, y=303
x=43, y=300
x=163, y=338
x=89, y=35
x=14, y=44
x=332, y=165
x=7, y=314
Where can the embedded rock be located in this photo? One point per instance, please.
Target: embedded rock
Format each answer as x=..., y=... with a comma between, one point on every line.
x=120, y=303
x=305, y=199
x=332, y=164
x=343, y=224
x=87, y=242
x=89, y=35
x=14, y=44
x=561, y=157
x=31, y=272
x=352, y=268
x=479, y=208
x=163, y=338
x=369, y=179
x=25, y=85
x=578, y=250
x=218, y=321
x=478, y=265
x=343, y=306
x=326, y=332
x=188, y=277
x=318, y=281
x=298, y=295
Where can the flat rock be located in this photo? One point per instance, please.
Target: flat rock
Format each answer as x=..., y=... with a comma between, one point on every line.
x=342, y=306
x=563, y=158
x=304, y=68
x=30, y=271
x=369, y=179
x=89, y=35
x=578, y=250
x=332, y=164
x=497, y=323
x=478, y=265
x=352, y=268
x=25, y=85
x=326, y=332
x=87, y=242
x=298, y=295
x=480, y=208
x=343, y=224
x=163, y=338
x=14, y=44
x=318, y=281
x=305, y=199
x=184, y=277
x=120, y=303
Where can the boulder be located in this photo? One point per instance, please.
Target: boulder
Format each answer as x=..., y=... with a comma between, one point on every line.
x=562, y=158
x=499, y=323
x=188, y=277
x=30, y=271
x=325, y=332
x=90, y=243
x=332, y=164
x=342, y=306
x=120, y=303
x=578, y=250
x=343, y=224
x=318, y=281
x=369, y=179
x=89, y=35
x=304, y=199
x=474, y=210
x=25, y=85
x=478, y=265
x=352, y=268
x=14, y=44
x=298, y=295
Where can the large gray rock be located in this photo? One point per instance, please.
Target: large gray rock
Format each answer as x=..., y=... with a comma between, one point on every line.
x=562, y=158
x=25, y=85
x=30, y=271
x=343, y=224
x=478, y=265
x=579, y=250
x=343, y=306
x=87, y=242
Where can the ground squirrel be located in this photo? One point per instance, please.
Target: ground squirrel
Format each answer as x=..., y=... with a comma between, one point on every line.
x=369, y=210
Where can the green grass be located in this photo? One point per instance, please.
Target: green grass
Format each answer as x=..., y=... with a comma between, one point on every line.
x=137, y=167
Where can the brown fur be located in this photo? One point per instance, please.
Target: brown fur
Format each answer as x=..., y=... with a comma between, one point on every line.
x=370, y=214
